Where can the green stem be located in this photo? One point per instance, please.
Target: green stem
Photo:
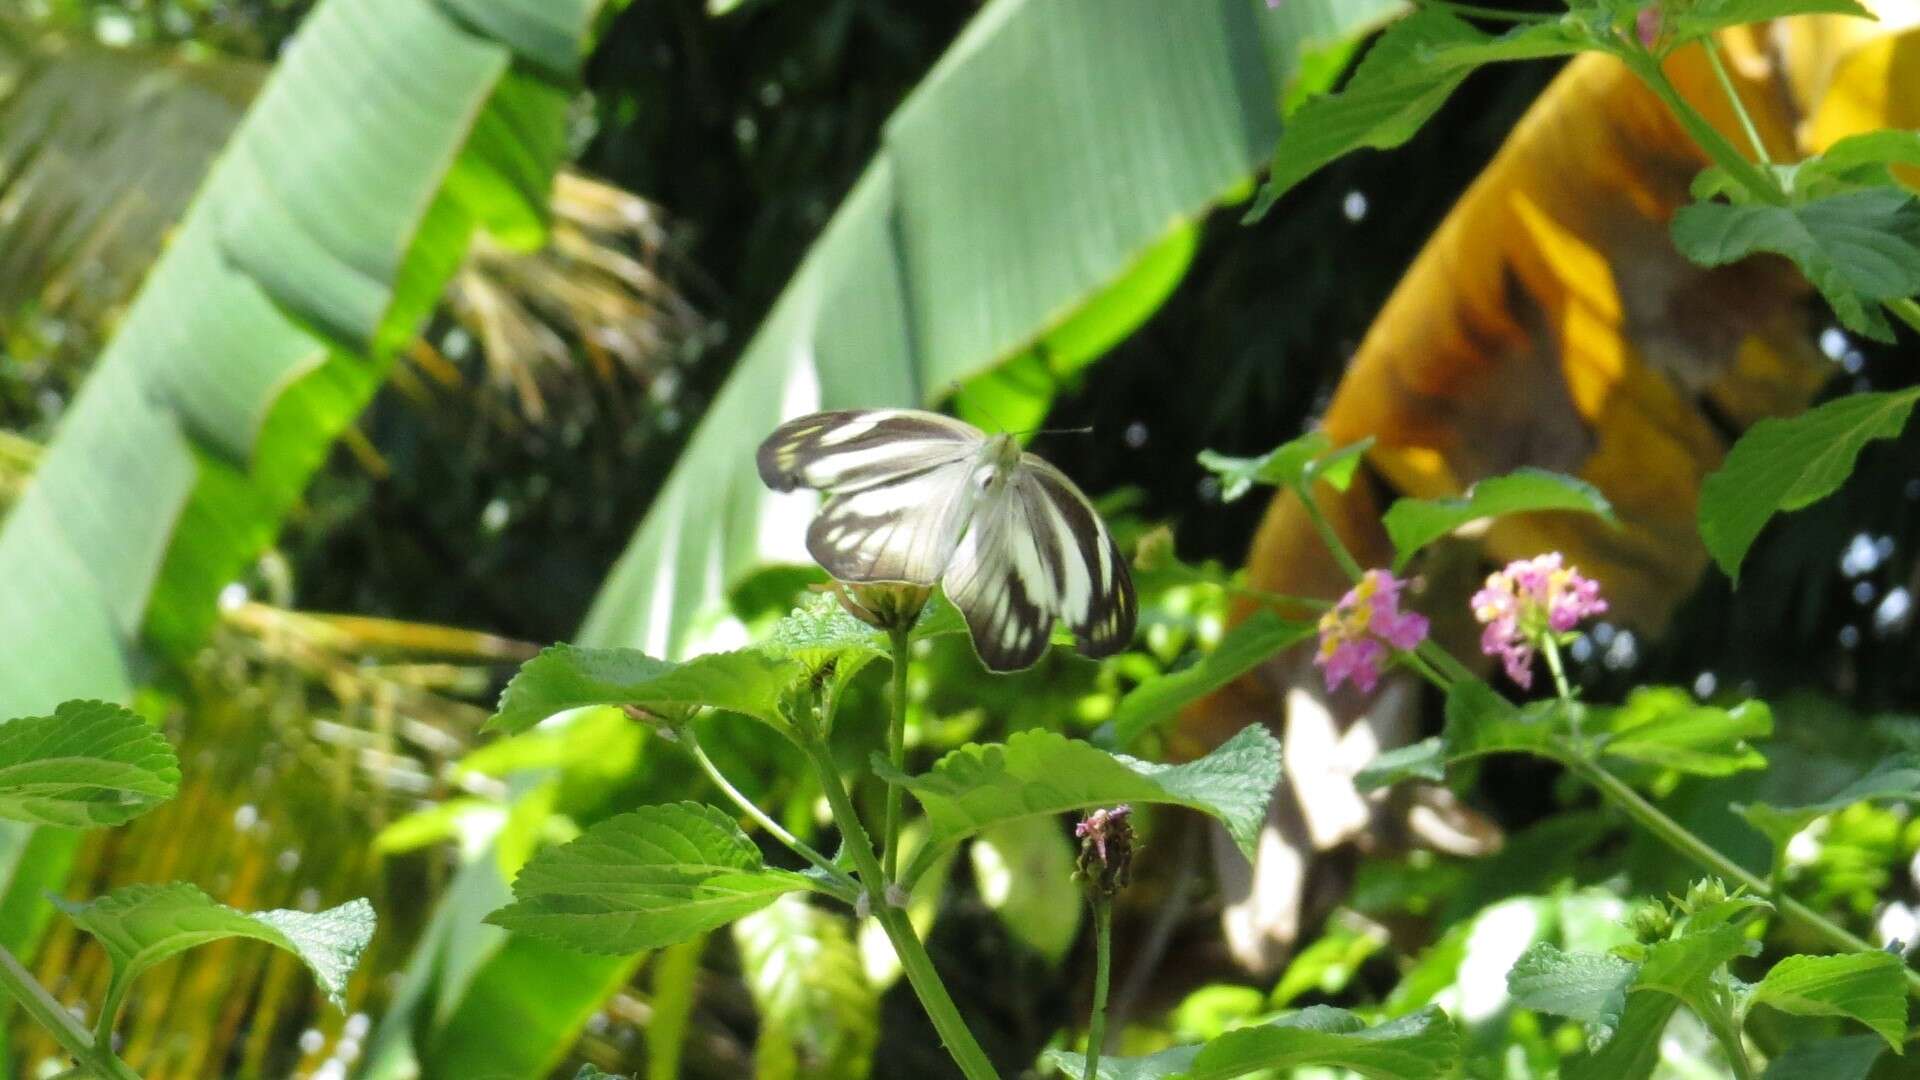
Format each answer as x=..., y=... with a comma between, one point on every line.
x=1559, y=671
x=1444, y=663
x=94, y=1056
x=1327, y=535
x=1426, y=671
x=760, y=817
x=1757, y=182
x=1907, y=311
x=959, y=1041
x=896, y=751
x=1733, y=98
x=1728, y=1033
x=1677, y=836
x=1102, y=963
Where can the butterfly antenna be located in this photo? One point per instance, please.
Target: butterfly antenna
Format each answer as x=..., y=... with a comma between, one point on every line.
x=1088, y=430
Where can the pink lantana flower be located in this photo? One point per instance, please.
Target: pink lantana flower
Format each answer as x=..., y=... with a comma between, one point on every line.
x=1527, y=601
x=1355, y=633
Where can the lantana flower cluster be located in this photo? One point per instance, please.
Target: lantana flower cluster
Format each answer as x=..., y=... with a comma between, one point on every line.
x=1355, y=633
x=1527, y=601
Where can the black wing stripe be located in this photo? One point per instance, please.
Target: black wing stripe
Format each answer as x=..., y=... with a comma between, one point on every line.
x=1105, y=624
x=843, y=451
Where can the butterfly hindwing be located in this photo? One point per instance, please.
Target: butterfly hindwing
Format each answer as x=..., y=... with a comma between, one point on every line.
x=845, y=451
x=999, y=579
x=1093, y=588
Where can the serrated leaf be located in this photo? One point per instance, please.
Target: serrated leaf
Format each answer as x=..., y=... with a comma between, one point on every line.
x=748, y=681
x=1786, y=464
x=1850, y=1058
x=1294, y=464
x=1412, y=524
x=1424, y=760
x=1666, y=728
x=1404, y=79
x=1867, y=987
x=1683, y=967
x=1705, y=16
x=1588, y=987
x=1041, y=772
x=1897, y=777
x=1421, y=1046
x=1858, y=248
x=90, y=763
x=819, y=1016
x=1863, y=160
x=141, y=925
x=1680, y=970
x=1262, y=635
x=644, y=879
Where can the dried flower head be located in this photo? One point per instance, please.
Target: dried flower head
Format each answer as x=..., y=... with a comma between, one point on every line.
x=1106, y=849
x=1355, y=633
x=1528, y=601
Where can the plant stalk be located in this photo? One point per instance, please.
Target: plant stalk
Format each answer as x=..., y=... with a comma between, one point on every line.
x=1345, y=558
x=1733, y=98
x=96, y=1058
x=1102, y=973
x=914, y=961
x=761, y=818
x=899, y=646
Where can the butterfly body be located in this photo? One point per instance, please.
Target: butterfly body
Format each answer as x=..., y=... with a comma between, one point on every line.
x=920, y=498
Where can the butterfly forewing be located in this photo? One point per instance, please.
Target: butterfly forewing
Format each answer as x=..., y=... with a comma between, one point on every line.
x=845, y=451
x=903, y=530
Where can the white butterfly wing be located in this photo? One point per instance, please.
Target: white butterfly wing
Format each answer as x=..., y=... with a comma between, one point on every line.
x=838, y=452
x=1035, y=551
x=901, y=530
x=897, y=486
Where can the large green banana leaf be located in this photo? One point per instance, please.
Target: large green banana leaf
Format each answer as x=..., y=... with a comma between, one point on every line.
x=1033, y=200
x=388, y=132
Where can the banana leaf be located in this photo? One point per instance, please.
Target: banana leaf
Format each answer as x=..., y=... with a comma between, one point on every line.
x=390, y=130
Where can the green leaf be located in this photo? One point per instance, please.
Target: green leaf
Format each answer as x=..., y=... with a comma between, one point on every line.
x=819, y=1016
x=1329, y=964
x=1856, y=161
x=1868, y=987
x=1424, y=760
x=88, y=764
x=1666, y=728
x=1412, y=524
x=1421, y=1046
x=1023, y=871
x=644, y=879
x=1897, y=777
x=1705, y=16
x=1635, y=1047
x=1041, y=772
x=1292, y=464
x=1786, y=464
x=141, y=925
x=1858, y=248
x=1481, y=722
x=1003, y=204
x=1588, y=987
x=589, y=1072
x=1850, y=1058
x=1404, y=79
x=1240, y=650
x=750, y=682
x=1683, y=967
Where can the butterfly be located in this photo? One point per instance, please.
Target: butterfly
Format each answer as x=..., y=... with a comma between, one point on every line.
x=920, y=498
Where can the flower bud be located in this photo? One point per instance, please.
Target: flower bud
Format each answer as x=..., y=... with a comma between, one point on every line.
x=883, y=605
x=1646, y=26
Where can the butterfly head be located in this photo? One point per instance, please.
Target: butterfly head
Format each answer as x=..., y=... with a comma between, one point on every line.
x=1003, y=453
